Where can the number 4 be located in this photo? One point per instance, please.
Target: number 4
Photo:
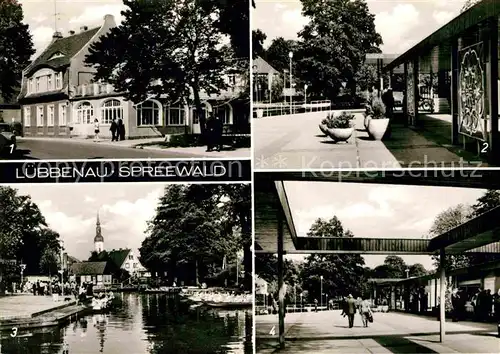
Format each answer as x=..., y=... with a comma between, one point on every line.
x=484, y=150
x=273, y=331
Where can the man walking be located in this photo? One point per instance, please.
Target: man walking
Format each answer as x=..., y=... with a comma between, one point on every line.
x=218, y=127
x=114, y=128
x=351, y=310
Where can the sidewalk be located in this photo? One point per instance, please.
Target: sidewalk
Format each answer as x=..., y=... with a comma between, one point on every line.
x=328, y=332
x=150, y=144
x=290, y=142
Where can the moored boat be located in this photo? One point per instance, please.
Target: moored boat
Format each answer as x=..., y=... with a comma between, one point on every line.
x=232, y=305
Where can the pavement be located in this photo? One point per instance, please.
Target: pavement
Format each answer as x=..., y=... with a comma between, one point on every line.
x=26, y=305
x=328, y=332
x=75, y=148
x=296, y=142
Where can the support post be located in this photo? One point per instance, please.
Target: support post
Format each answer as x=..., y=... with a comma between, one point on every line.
x=416, y=91
x=405, y=97
x=281, y=290
x=442, y=295
x=493, y=90
x=454, y=93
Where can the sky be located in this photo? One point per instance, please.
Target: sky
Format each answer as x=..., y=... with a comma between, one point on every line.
x=71, y=15
x=71, y=210
x=401, y=23
x=375, y=210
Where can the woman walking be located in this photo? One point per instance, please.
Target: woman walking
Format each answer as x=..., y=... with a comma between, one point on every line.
x=365, y=311
x=96, y=130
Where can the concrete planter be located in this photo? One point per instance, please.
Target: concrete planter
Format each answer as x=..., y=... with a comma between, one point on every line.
x=367, y=121
x=323, y=129
x=260, y=113
x=340, y=134
x=377, y=128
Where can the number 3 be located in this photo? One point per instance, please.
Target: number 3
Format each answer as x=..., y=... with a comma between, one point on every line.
x=14, y=332
x=484, y=150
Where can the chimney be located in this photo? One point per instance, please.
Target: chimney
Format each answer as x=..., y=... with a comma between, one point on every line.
x=71, y=33
x=110, y=19
x=83, y=28
x=57, y=35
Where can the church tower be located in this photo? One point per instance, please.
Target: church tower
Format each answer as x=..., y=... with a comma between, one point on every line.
x=98, y=239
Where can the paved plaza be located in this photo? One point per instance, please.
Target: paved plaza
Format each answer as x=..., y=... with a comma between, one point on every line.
x=295, y=142
x=25, y=305
x=328, y=332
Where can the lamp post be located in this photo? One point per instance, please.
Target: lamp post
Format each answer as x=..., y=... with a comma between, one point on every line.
x=23, y=267
x=321, y=290
x=301, y=305
x=62, y=263
x=326, y=302
x=290, y=55
x=305, y=96
x=407, y=272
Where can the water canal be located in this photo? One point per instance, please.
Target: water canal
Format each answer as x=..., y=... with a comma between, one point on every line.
x=141, y=324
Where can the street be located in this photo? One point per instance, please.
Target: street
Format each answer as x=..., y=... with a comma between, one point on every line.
x=328, y=332
x=46, y=149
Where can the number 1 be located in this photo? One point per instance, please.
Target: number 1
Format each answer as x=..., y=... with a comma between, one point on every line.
x=12, y=146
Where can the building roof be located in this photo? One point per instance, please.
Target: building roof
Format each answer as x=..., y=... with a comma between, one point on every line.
x=118, y=257
x=260, y=66
x=68, y=46
x=89, y=268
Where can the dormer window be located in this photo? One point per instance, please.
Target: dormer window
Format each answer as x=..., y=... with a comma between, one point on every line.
x=56, y=55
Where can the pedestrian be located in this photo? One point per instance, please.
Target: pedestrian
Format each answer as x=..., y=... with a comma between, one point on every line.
x=366, y=312
x=218, y=130
x=497, y=310
x=114, y=129
x=120, y=130
x=315, y=305
x=344, y=307
x=210, y=133
x=488, y=304
x=455, y=304
x=351, y=310
x=96, y=130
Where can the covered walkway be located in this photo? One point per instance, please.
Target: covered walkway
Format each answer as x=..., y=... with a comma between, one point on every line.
x=275, y=232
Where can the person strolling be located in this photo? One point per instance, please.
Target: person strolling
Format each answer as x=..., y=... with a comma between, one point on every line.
x=114, y=129
x=365, y=311
x=96, y=130
x=351, y=310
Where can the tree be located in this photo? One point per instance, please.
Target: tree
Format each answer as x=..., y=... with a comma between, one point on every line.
x=24, y=234
x=417, y=270
x=334, y=43
x=394, y=267
x=16, y=47
x=49, y=262
x=278, y=53
x=342, y=273
x=366, y=77
x=445, y=221
x=167, y=48
x=258, y=38
x=490, y=200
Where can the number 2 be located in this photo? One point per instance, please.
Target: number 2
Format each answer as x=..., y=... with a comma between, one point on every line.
x=14, y=332
x=484, y=150
x=12, y=146
x=273, y=331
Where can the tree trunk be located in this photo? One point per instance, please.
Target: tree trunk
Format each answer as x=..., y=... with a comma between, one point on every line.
x=196, y=272
x=199, y=110
x=246, y=233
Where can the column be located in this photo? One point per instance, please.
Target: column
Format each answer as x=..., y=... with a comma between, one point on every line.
x=405, y=97
x=493, y=91
x=281, y=292
x=416, y=94
x=393, y=298
x=442, y=296
x=454, y=93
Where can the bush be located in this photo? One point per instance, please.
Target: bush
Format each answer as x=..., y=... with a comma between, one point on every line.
x=376, y=109
x=17, y=128
x=341, y=122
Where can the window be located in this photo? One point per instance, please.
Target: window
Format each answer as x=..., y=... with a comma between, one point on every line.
x=37, y=83
x=62, y=114
x=49, y=83
x=27, y=116
x=131, y=256
x=107, y=278
x=99, y=277
x=84, y=113
x=56, y=55
x=110, y=111
x=135, y=265
x=224, y=113
x=175, y=115
x=39, y=116
x=148, y=113
x=50, y=116
x=127, y=265
x=58, y=81
x=196, y=119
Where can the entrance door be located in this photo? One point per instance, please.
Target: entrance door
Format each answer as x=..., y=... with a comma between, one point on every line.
x=83, y=119
x=195, y=122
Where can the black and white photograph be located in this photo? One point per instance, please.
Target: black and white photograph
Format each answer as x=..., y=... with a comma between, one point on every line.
x=361, y=263
x=375, y=84
x=126, y=268
x=124, y=79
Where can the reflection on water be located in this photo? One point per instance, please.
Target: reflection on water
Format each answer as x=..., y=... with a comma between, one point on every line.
x=142, y=324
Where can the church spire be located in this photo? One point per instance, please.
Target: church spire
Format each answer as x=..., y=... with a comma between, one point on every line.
x=98, y=239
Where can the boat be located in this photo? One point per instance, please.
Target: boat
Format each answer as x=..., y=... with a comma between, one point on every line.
x=229, y=304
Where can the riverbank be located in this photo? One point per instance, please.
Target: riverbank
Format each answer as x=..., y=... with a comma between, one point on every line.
x=28, y=311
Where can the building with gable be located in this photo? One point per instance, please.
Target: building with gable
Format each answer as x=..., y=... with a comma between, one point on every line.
x=60, y=98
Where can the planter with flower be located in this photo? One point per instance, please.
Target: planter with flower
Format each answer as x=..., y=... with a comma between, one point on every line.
x=323, y=124
x=340, y=127
x=378, y=123
x=368, y=114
